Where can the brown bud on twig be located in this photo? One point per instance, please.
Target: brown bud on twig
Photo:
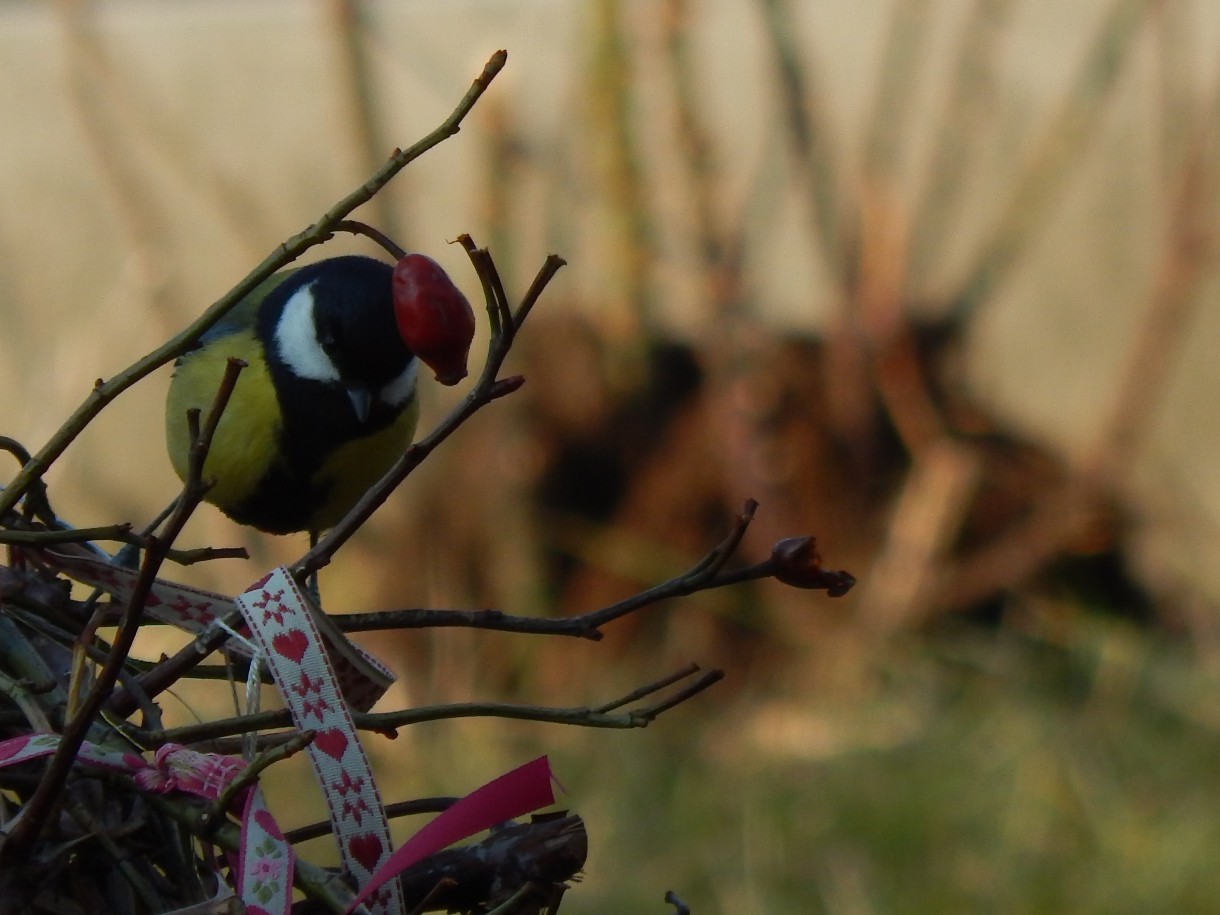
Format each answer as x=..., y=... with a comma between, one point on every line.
x=797, y=563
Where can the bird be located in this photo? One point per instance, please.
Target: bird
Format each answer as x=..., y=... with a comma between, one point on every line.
x=327, y=400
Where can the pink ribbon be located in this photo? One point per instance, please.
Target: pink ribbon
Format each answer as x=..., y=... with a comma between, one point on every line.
x=516, y=793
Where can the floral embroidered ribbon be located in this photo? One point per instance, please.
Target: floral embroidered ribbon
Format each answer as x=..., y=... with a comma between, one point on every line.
x=264, y=869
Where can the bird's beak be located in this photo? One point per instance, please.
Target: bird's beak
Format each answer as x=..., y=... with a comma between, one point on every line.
x=361, y=400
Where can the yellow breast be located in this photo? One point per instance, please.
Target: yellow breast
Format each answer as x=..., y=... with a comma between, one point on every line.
x=246, y=440
x=357, y=465
x=244, y=463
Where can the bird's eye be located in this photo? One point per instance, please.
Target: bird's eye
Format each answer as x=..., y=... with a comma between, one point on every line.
x=329, y=335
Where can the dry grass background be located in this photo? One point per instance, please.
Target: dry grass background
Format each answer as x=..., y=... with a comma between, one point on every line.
x=929, y=280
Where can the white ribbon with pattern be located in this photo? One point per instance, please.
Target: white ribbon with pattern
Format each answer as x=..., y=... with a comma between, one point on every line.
x=283, y=623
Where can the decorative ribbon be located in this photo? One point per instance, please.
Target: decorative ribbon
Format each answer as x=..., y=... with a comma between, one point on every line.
x=361, y=677
x=284, y=624
x=516, y=793
x=264, y=871
x=315, y=668
x=264, y=876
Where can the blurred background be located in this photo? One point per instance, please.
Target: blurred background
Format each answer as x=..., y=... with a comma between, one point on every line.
x=932, y=281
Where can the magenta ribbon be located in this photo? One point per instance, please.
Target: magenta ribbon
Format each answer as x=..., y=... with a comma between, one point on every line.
x=523, y=790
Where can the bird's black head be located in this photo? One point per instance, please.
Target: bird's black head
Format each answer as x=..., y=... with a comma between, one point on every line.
x=332, y=323
x=353, y=317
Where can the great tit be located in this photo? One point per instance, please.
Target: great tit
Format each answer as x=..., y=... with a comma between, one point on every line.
x=327, y=401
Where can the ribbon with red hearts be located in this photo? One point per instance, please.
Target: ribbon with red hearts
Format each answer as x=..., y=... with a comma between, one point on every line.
x=284, y=624
x=315, y=669
x=361, y=677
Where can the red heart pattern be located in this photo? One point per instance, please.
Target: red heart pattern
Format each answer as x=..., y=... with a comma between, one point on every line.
x=268, y=824
x=296, y=654
x=366, y=849
x=277, y=619
x=291, y=644
x=332, y=742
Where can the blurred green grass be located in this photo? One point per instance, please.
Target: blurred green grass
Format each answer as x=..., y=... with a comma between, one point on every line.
x=969, y=773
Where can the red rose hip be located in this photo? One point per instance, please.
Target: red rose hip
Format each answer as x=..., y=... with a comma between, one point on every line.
x=434, y=318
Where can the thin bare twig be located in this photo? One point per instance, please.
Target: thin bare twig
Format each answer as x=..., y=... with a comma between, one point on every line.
x=355, y=227
x=168, y=672
x=21, y=536
x=388, y=723
x=794, y=562
x=414, y=807
x=249, y=775
x=802, y=569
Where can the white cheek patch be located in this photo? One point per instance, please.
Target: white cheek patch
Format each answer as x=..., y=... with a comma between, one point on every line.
x=296, y=339
x=399, y=391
